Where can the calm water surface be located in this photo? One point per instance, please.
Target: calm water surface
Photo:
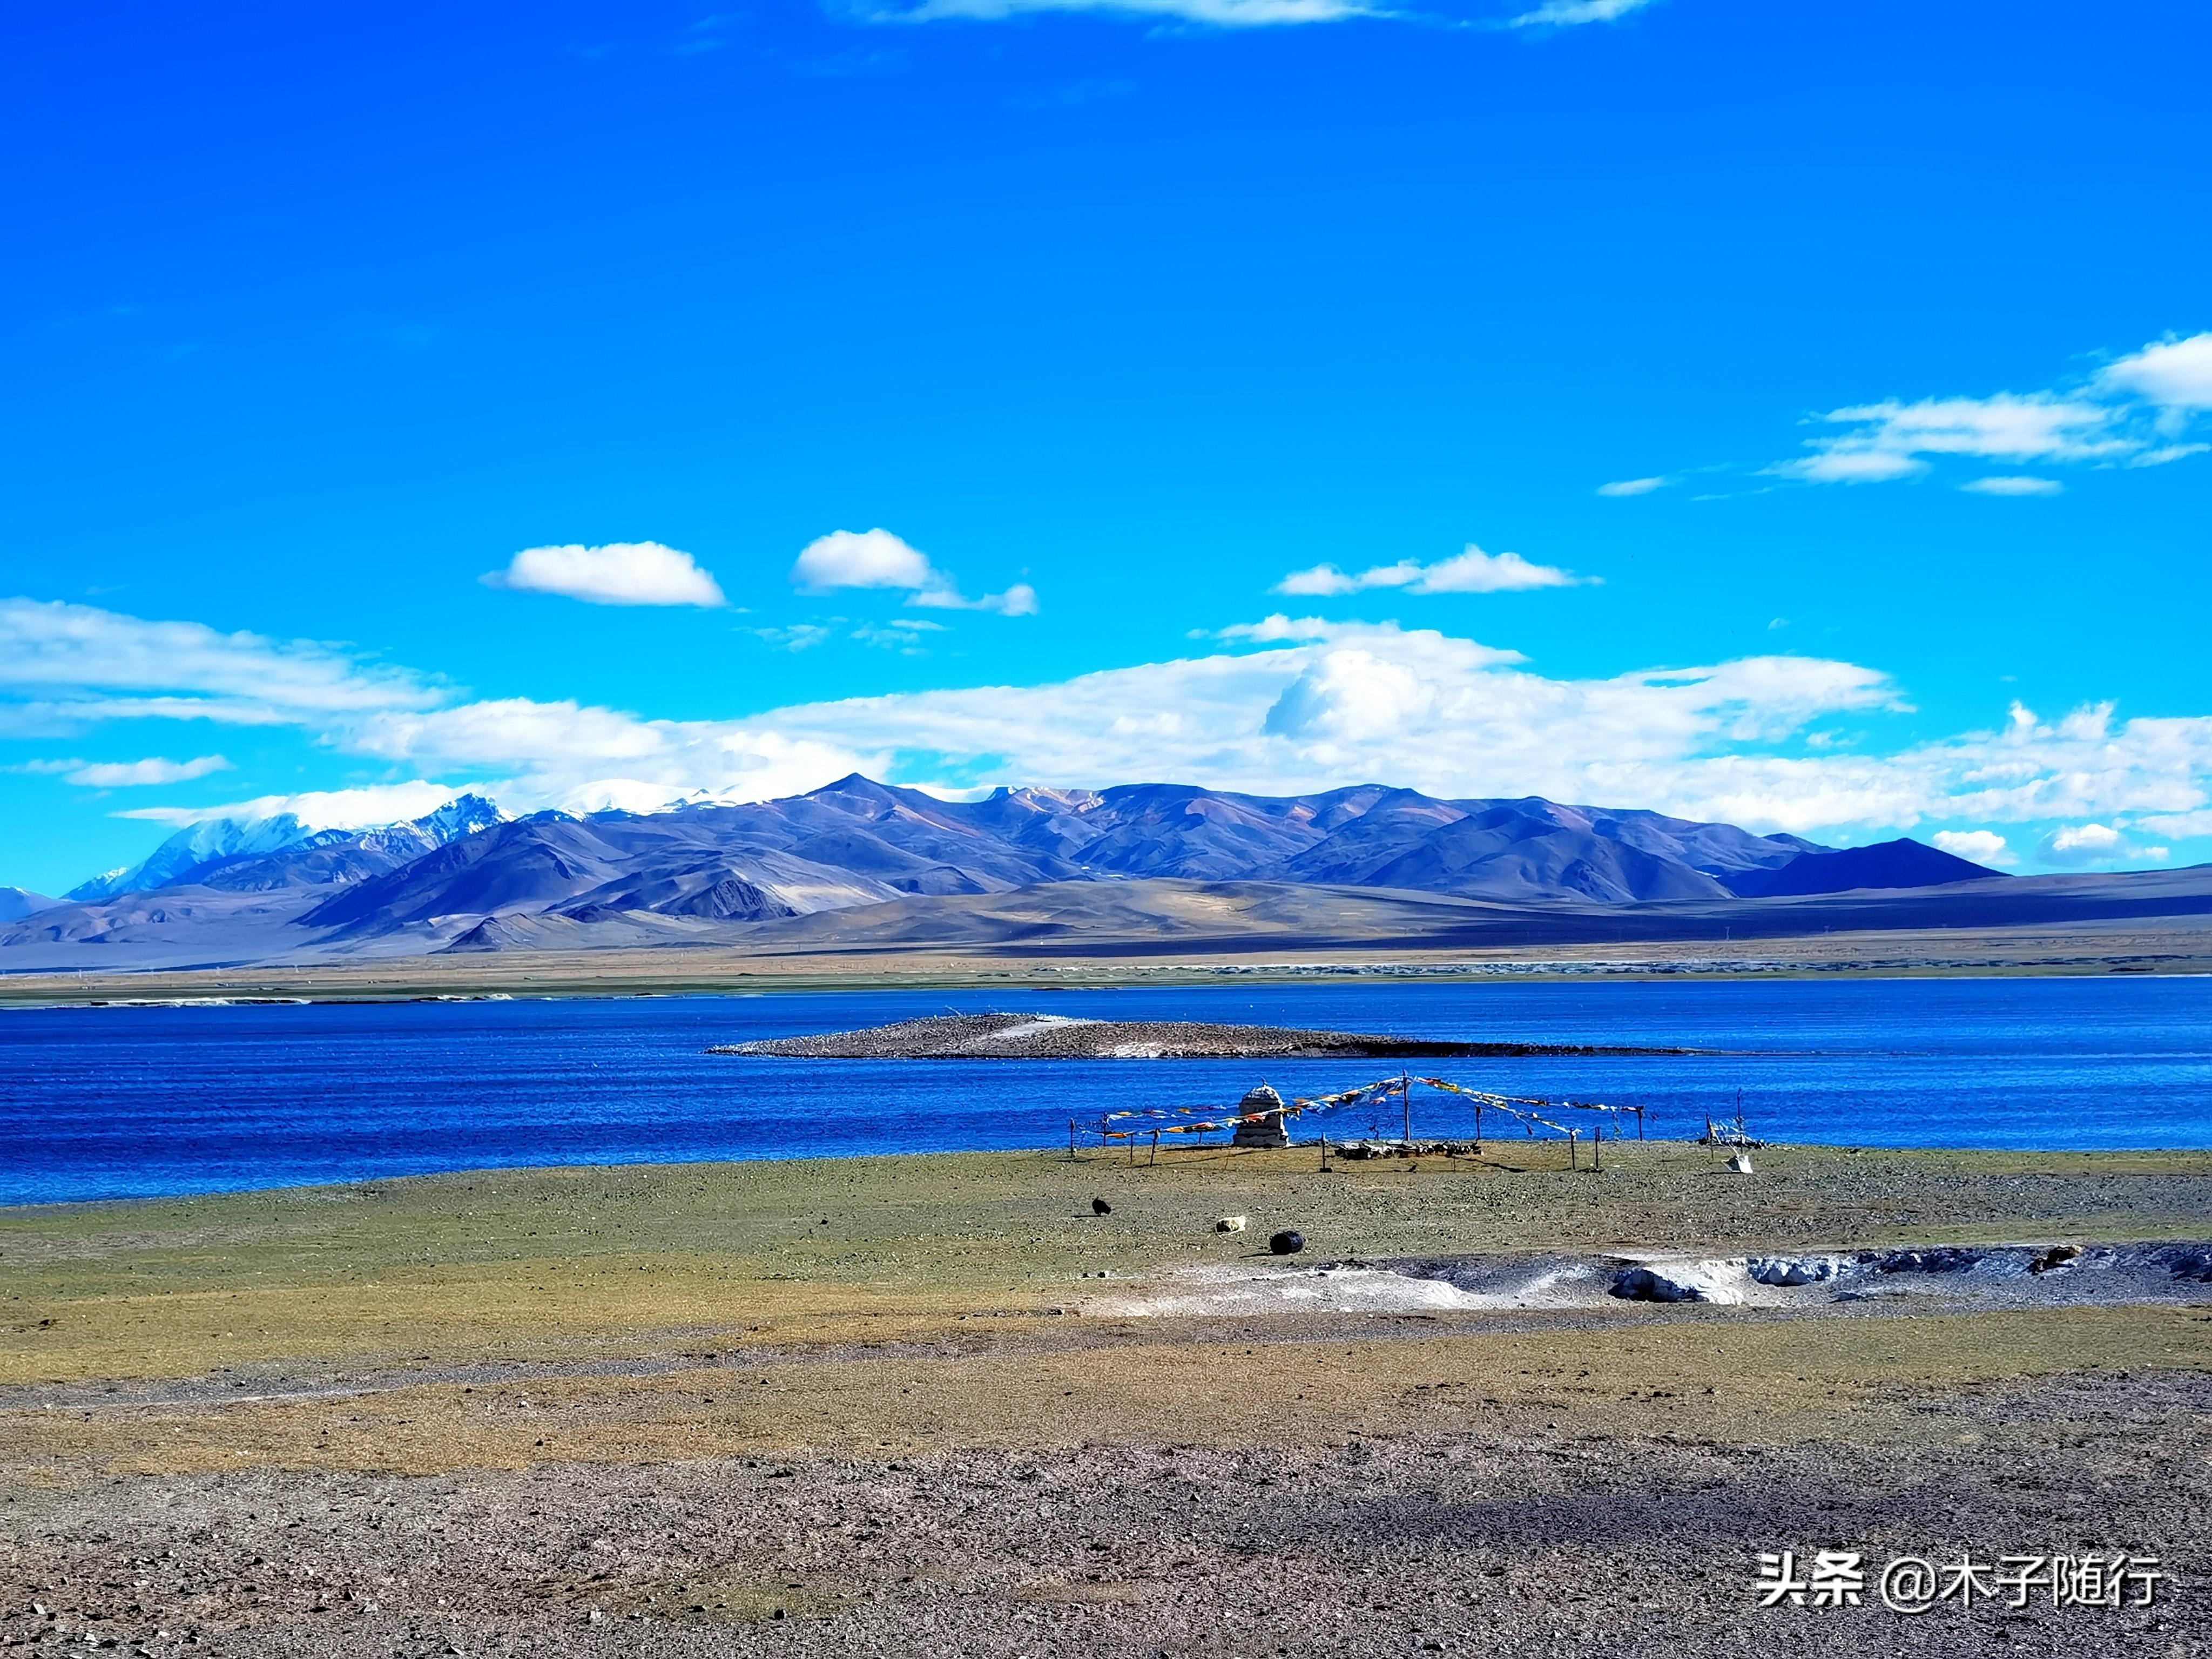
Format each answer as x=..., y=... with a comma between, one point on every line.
x=111, y=1101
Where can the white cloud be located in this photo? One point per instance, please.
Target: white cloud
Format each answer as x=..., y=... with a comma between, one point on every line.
x=862, y=558
x=799, y=636
x=2014, y=486
x=1980, y=846
x=1019, y=600
x=71, y=665
x=1278, y=627
x=2174, y=373
x=1889, y=440
x=877, y=558
x=2113, y=418
x=1565, y=14
x=621, y=573
x=128, y=775
x=318, y=809
x=1633, y=486
x=2084, y=843
x=1773, y=742
x=2165, y=454
x=1218, y=14
x=1472, y=571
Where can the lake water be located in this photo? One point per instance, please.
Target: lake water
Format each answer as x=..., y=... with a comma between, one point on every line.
x=116, y=1101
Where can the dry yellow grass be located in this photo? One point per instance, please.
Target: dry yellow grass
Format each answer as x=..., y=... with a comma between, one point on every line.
x=1701, y=1377
x=565, y=1265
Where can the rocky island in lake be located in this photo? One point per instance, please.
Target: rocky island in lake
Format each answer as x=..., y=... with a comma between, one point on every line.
x=1054, y=1036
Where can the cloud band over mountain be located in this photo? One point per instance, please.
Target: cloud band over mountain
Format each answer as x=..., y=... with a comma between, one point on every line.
x=1297, y=706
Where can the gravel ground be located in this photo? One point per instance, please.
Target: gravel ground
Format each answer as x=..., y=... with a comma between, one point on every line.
x=1552, y=1536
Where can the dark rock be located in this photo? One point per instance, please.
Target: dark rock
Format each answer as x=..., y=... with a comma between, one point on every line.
x=1286, y=1242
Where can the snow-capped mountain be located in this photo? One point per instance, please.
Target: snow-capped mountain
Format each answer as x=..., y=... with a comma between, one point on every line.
x=198, y=849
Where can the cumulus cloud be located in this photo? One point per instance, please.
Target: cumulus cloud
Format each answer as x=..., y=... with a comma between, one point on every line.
x=1633, y=486
x=877, y=558
x=2116, y=417
x=2085, y=843
x=1980, y=846
x=1472, y=571
x=2174, y=373
x=2013, y=486
x=621, y=573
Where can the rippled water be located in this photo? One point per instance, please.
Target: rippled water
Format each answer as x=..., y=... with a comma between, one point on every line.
x=108, y=1101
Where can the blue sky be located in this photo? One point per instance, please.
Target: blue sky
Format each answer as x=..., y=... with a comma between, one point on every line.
x=1120, y=325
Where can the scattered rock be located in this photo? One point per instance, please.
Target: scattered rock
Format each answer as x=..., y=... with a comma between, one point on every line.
x=1792, y=1269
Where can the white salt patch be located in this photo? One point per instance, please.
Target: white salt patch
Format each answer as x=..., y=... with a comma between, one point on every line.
x=1214, y=1291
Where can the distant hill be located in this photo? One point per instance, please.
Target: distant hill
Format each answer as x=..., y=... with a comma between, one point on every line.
x=1886, y=864
x=467, y=878
x=16, y=902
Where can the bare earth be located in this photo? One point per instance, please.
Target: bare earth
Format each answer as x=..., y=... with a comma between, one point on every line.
x=918, y=1405
x=2179, y=944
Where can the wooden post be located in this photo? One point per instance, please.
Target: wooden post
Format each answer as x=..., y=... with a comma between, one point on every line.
x=1597, y=1145
x=1406, y=1094
x=1155, y=1157
x=1071, y=1140
x=1570, y=1149
x=1324, y=1150
x=1639, y=1123
x=1478, y=1129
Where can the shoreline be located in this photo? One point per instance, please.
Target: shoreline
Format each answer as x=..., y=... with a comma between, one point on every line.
x=2127, y=949
x=1523, y=1155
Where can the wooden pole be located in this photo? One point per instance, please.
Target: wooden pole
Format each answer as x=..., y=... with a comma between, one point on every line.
x=1155, y=1157
x=1071, y=1140
x=1639, y=1123
x=1405, y=1093
x=1478, y=1129
x=1570, y=1149
x=1597, y=1145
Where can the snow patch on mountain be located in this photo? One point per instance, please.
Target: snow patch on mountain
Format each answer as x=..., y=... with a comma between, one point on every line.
x=199, y=847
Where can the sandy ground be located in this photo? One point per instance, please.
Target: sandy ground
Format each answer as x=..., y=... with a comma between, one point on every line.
x=919, y=1405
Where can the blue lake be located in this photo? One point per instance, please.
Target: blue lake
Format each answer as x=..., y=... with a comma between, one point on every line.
x=121, y=1102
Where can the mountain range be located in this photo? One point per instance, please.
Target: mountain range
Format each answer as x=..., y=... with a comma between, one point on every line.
x=468, y=878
